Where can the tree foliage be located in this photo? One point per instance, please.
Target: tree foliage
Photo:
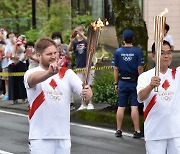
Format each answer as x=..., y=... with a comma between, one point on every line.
x=15, y=15
x=59, y=17
x=84, y=20
x=128, y=16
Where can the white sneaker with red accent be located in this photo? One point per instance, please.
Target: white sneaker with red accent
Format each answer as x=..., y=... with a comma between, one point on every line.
x=90, y=106
x=82, y=107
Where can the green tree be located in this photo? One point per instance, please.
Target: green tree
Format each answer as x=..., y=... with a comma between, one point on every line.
x=128, y=16
x=59, y=17
x=15, y=15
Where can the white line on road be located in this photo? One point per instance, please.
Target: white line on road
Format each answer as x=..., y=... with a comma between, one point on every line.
x=101, y=129
x=13, y=113
x=4, y=152
x=73, y=124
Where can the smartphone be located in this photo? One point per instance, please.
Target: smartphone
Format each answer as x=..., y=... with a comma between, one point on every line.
x=74, y=34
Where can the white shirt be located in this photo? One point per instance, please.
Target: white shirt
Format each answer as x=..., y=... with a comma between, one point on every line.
x=7, y=61
x=51, y=119
x=33, y=63
x=162, y=108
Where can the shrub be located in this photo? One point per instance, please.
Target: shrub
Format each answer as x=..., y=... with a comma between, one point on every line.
x=103, y=88
x=32, y=35
x=84, y=20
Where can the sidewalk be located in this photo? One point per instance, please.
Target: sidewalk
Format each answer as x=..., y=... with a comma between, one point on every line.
x=24, y=106
x=8, y=105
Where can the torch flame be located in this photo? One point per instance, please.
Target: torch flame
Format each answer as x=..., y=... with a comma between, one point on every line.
x=99, y=24
x=164, y=12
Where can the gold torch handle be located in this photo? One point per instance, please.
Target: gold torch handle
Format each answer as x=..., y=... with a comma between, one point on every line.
x=159, y=26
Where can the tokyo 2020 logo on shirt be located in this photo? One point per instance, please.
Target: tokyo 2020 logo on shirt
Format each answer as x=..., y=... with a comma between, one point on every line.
x=127, y=57
x=54, y=95
x=166, y=96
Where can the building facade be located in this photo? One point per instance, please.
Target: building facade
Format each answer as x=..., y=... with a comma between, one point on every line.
x=152, y=8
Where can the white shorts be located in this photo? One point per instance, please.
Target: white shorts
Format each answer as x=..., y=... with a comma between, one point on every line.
x=48, y=146
x=169, y=146
x=91, y=76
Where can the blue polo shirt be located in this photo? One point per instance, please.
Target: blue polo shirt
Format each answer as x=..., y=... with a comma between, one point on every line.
x=127, y=59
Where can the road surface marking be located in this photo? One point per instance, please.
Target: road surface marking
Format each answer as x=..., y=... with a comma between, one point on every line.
x=101, y=129
x=13, y=113
x=73, y=124
x=4, y=152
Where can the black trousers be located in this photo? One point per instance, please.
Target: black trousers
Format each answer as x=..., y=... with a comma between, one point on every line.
x=16, y=83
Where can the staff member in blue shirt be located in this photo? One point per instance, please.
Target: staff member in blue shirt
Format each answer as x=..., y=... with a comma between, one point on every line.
x=128, y=64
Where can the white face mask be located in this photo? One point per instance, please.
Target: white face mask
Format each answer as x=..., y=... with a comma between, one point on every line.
x=57, y=41
x=77, y=35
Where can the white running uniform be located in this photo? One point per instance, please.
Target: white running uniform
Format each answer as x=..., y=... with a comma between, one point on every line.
x=49, y=116
x=162, y=108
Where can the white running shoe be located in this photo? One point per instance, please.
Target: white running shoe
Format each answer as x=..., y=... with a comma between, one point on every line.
x=90, y=106
x=82, y=107
x=1, y=96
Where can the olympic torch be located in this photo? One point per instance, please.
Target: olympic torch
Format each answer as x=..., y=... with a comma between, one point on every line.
x=94, y=31
x=159, y=27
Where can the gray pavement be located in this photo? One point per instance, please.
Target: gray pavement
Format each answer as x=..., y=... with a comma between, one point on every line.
x=24, y=106
x=9, y=105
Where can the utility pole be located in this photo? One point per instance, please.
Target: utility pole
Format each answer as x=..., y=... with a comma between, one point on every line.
x=34, y=14
x=48, y=5
x=78, y=7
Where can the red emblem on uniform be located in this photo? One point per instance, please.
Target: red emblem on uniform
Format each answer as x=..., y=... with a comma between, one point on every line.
x=166, y=84
x=53, y=84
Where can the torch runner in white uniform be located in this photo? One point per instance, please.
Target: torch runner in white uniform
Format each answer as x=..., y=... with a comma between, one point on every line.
x=162, y=108
x=49, y=91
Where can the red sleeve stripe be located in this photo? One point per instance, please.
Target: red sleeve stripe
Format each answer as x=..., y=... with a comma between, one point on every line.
x=149, y=107
x=36, y=104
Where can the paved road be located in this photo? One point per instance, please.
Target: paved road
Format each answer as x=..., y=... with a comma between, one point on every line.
x=85, y=139
x=88, y=141
x=13, y=133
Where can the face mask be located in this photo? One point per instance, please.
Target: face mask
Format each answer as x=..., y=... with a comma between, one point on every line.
x=57, y=41
x=78, y=36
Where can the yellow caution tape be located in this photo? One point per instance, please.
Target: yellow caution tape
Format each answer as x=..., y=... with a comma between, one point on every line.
x=12, y=73
x=94, y=68
x=75, y=70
